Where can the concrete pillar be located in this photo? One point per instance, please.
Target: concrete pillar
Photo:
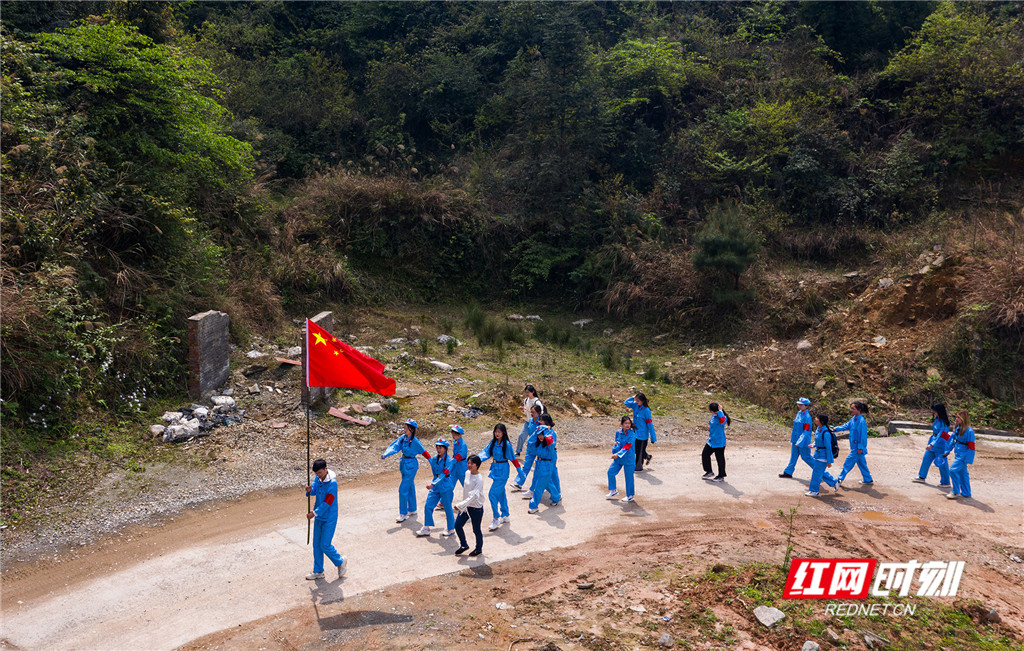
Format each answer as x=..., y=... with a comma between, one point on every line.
x=313, y=395
x=208, y=351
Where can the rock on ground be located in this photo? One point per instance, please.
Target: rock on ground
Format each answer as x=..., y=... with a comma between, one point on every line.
x=769, y=616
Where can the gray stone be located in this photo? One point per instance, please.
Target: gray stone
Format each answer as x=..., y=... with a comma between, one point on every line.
x=209, y=349
x=501, y=605
x=397, y=340
x=885, y=283
x=993, y=617
x=933, y=372
x=874, y=641
x=585, y=586
x=769, y=616
x=406, y=392
x=171, y=416
x=533, y=317
x=294, y=351
x=925, y=269
x=515, y=317
x=254, y=390
x=879, y=341
x=227, y=392
x=201, y=412
x=444, y=339
x=820, y=384
x=442, y=366
x=156, y=430
x=810, y=645
x=1015, y=558
x=582, y=322
x=852, y=274
x=804, y=345
x=666, y=641
x=179, y=433
x=255, y=354
x=832, y=634
x=373, y=408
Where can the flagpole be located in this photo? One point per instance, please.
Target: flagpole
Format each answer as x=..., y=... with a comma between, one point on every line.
x=308, y=478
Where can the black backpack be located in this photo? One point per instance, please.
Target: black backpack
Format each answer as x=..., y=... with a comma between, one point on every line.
x=835, y=442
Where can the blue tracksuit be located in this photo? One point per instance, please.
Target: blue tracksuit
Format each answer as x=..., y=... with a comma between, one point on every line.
x=822, y=458
x=963, y=455
x=716, y=431
x=625, y=459
x=409, y=447
x=545, y=477
x=939, y=442
x=858, y=428
x=442, y=491
x=531, y=452
x=326, y=520
x=800, y=441
x=642, y=421
x=460, y=452
x=500, y=454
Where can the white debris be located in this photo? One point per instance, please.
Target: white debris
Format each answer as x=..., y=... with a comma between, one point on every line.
x=442, y=365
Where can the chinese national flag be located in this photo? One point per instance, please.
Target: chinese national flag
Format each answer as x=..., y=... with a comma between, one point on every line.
x=331, y=362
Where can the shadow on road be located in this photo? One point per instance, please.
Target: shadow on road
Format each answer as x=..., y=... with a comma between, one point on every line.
x=358, y=618
x=728, y=489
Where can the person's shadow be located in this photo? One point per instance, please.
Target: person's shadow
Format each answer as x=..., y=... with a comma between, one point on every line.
x=550, y=515
x=648, y=477
x=632, y=509
x=505, y=533
x=728, y=488
x=870, y=491
x=973, y=503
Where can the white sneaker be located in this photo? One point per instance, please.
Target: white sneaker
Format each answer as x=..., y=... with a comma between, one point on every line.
x=412, y=513
x=527, y=495
x=516, y=488
x=424, y=531
x=611, y=495
x=533, y=510
x=708, y=475
x=811, y=493
x=628, y=498
x=495, y=523
x=949, y=496
x=504, y=519
x=448, y=532
x=402, y=517
x=314, y=576
x=835, y=487
x=342, y=567
x=719, y=479
x=918, y=480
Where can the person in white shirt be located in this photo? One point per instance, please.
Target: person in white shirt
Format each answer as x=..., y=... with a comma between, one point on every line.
x=471, y=507
x=531, y=398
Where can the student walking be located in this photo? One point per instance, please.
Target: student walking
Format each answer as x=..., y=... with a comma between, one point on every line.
x=800, y=438
x=858, y=428
x=963, y=456
x=716, y=443
x=939, y=444
x=824, y=446
x=644, y=428
x=409, y=447
x=460, y=452
x=471, y=508
x=325, y=520
x=531, y=398
x=623, y=459
x=440, y=489
x=500, y=453
x=545, y=477
x=531, y=448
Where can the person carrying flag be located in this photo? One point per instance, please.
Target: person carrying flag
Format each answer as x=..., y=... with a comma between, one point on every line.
x=325, y=519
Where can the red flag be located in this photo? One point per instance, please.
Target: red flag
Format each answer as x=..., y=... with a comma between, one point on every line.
x=331, y=362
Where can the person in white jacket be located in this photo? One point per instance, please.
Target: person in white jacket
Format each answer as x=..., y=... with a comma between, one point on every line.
x=471, y=507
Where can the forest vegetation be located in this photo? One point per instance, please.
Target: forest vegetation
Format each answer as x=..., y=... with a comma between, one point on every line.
x=650, y=161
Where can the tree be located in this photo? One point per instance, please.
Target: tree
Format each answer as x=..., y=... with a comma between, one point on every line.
x=725, y=248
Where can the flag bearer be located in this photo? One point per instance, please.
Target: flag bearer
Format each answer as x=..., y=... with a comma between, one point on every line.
x=325, y=519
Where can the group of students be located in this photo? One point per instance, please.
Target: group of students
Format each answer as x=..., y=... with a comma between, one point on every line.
x=453, y=464
x=819, y=448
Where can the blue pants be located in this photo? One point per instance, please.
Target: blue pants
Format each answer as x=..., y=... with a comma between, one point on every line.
x=554, y=481
x=524, y=469
x=499, y=500
x=407, y=489
x=545, y=478
x=323, y=535
x=524, y=434
x=961, y=480
x=856, y=459
x=940, y=462
x=460, y=472
x=445, y=498
x=627, y=468
x=798, y=452
x=818, y=473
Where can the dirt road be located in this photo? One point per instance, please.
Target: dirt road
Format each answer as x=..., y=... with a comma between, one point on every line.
x=222, y=567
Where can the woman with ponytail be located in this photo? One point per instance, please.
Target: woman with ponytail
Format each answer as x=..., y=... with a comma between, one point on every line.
x=824, y=437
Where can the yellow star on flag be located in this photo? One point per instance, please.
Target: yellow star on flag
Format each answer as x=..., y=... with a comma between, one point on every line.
x=320, y=338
